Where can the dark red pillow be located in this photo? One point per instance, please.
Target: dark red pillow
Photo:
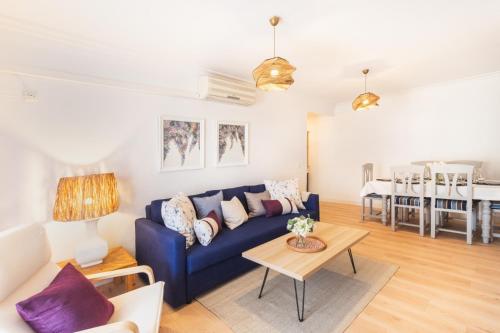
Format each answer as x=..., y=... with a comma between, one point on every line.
x=213, y=215
x=70, y=303
x=272, y=207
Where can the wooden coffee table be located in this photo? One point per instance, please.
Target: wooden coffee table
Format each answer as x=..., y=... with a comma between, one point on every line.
x=299, y=266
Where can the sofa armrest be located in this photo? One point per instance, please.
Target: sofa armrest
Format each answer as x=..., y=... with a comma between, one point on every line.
x=124, y=272
x=163, y=250
x=312, y=204
x=118, y=327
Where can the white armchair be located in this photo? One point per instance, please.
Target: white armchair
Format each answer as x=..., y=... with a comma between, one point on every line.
x=25, y=269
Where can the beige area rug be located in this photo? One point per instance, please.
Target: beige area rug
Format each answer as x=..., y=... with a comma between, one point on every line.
x=334, y=298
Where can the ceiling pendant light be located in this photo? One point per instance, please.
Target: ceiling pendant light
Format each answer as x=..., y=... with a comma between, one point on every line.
x=367, y=100
x=274, y=73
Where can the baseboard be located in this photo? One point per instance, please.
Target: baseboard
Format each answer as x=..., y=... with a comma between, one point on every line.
x=343, y=202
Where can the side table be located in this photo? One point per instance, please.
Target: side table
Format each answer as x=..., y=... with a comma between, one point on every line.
x=117, y=258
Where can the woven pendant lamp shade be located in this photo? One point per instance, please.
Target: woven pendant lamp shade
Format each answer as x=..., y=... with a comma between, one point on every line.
x=365, y=101
x=86, y=197
x=274, y=74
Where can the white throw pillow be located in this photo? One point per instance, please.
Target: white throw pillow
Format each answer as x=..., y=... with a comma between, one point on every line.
x=206, y=228
x=234, y=213
x=179, y=215
x=285, y=189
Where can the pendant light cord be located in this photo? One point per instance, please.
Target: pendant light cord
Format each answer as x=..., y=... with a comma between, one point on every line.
x=365, y=82
x=274, y=41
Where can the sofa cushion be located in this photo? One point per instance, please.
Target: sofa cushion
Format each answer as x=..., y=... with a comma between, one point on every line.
x=155, y=207
x=289, y=188
x=254, y=201
x=231, y=243
x=279, y=207
x=179, y=215
x=59, y=307
x=234, y=213
x=207, y=228
x=238, y=192
x=207, y=204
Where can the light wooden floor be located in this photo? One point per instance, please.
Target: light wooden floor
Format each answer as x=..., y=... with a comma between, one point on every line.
x=442, y=284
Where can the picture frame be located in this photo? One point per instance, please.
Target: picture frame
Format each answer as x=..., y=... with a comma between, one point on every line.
x=181, y=143
x=232, y=147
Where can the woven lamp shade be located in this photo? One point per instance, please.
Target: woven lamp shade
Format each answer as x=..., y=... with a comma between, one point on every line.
x=365, y=101
x=274, y=74
x=86, y=197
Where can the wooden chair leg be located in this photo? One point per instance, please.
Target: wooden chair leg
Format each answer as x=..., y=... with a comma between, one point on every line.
x=362, y=209
x=474, y=220
x=421, y=216
x=469, y=227
x=393, y=216
x=433, y=222
x=371, y=207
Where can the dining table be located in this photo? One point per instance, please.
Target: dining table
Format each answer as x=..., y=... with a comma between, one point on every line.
x=483, y=192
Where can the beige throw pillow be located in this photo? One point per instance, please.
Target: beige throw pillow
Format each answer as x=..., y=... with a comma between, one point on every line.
x=234, y=213
x=254, y=201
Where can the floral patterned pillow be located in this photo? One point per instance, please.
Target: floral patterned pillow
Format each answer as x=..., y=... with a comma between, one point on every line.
x=179, y=215
x=285, y=189
x=207, y=228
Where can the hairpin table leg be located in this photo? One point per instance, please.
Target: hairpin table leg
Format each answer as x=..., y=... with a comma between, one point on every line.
x=300, y=314
x=352, y=260
x=263, y=283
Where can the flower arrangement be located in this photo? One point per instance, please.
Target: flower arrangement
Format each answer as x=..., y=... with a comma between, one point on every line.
x=301, y=226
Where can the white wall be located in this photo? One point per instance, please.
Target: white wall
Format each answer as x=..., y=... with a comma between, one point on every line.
x=77, y=129
x=447, y=121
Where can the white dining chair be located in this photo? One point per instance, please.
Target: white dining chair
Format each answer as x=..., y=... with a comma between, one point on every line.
x=495, y=210
x=478, y=167
x=451, y=193
x=407, y=192
x=427, y=165
x=367, y=176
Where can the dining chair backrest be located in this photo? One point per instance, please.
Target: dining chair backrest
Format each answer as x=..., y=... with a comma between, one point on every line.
x=408, y=181
x=427, y=164
x=367, y=172
x=446, y=180
x=478, y=167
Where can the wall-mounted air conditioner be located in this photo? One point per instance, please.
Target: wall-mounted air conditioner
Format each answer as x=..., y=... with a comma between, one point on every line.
x=225, y=89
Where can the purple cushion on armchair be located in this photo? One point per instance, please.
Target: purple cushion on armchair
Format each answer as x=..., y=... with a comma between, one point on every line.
x=70, y=303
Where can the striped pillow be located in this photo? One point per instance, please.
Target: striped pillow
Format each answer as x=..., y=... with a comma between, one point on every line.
x=207, y=228
x=279, y=207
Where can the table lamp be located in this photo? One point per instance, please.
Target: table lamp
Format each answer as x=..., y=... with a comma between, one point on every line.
x=86, y=198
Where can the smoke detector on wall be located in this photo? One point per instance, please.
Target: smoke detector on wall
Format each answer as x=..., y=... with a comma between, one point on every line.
x=30, y=96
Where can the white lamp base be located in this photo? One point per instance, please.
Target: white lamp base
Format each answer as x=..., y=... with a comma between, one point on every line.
x=92, y=250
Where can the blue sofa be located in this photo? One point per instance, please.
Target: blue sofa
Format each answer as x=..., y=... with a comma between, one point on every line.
x=189, y=273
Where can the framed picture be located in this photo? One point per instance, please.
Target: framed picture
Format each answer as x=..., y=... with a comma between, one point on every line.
x=232, y=143
x=182, y=143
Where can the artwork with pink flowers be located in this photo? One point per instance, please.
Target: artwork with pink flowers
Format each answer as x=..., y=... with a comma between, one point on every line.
x=182, y=143
x=232, y=147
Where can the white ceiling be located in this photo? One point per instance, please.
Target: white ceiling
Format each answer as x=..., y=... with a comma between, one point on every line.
x=169, y=43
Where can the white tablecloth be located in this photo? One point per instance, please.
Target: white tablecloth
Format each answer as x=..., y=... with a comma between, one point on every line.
x=485, y=193
x=479, y=192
